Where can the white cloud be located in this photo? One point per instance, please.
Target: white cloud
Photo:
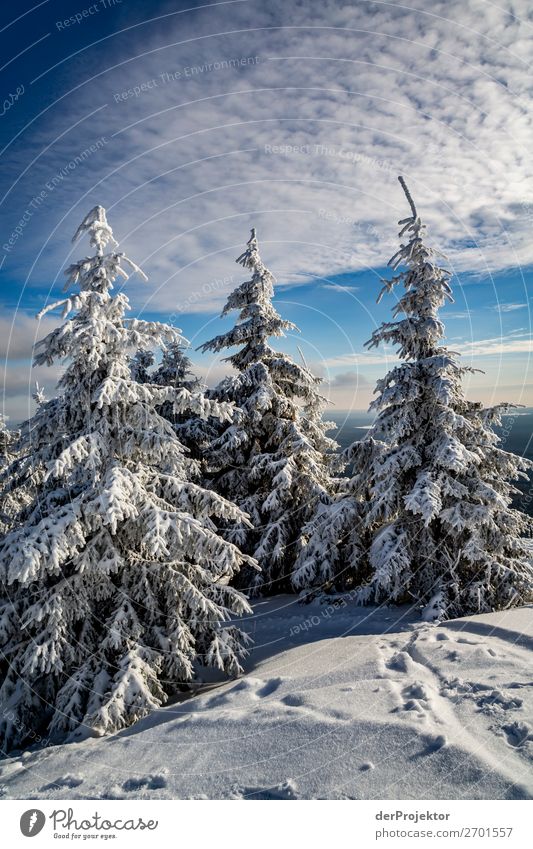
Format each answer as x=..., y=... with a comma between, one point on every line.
x=304, y=143
x=17, y=375
x=385, y=357
x=18, y=383
x=513, y=343
x=347, y=379
x=510, y=307
x=337, y=287
x=458, y=314
x=348, y=390
x=498, y=346
x=19, y=334
x=348, y=95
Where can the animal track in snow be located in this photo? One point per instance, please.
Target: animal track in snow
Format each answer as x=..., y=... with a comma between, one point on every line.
x=488, y=700
x=453, y=656
x=435, y=744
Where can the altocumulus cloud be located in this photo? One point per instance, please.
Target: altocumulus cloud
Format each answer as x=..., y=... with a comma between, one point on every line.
x=348, y=94
x=296, y=119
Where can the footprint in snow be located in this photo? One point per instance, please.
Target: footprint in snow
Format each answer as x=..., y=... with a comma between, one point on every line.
x=433, y=745
x=293, y=700
x=250, y=686
x=114, y=791
x=496, y=702
x=287, y=790
x=400, y=662
x=416, y=698
x=148, y=782
x=255, y=688
x=64, y=781
x=517, y=734
x=270, y=687
x=453, y=656
x=416, y=690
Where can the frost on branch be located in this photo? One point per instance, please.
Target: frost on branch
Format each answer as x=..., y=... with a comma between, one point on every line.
x=115, y=579
x=274, y=459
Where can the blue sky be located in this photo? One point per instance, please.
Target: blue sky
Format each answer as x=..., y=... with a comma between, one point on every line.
x=193, y=122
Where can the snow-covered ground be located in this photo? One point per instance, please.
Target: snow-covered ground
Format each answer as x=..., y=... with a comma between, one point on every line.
x=337, y=703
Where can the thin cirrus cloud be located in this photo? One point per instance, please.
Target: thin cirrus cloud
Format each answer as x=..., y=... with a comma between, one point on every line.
x=337, y=287
x=510, y=307
x=364, y=358
x=517, y=344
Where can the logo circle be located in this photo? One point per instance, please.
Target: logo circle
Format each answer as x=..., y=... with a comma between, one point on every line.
x=32, y=822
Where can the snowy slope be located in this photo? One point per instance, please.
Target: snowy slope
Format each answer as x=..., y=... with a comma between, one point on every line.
x=337, y=703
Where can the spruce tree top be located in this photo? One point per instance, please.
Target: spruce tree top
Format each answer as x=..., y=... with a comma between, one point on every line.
x=258, y=317
x=426, y=290
x=176, y=369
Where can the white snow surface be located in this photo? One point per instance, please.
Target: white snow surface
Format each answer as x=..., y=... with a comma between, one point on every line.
x=337, y=702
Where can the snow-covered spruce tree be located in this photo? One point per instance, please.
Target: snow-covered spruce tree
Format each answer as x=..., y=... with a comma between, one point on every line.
x=7, y=440
x=9, y=507
x=21, y=474
x=274, y=460
x=116, y=584
x=330, y=536
x=332, y=557
x=437, y=484
x=176, y=370
x=140, y=365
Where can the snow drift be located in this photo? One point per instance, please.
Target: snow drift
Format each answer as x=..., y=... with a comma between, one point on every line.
x=338, y=702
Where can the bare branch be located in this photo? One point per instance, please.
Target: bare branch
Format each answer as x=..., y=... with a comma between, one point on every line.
x=403, y=184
